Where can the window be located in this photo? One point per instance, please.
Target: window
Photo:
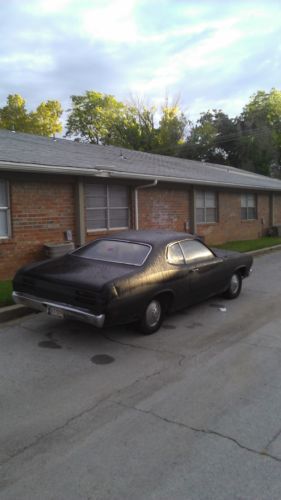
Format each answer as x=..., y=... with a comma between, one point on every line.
x=121, y=252
x=107, y=206
x=4, y=209
x=248, y=206
x=175, y=255
x=187, y=252
x=206, y=206
x=195, y=251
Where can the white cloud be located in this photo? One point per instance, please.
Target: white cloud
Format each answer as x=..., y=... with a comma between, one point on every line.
x=47, y=6
x=113, y=21
x=213, y=53
x=29, y=62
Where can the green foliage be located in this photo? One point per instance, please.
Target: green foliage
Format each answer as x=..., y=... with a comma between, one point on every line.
x=259, y=126
x=171, y=130
x=14, y=115
x=250, y=245
x=6, y=289
x=211, y=139
x=95, y=117
x=43, y=121
x=101, y=119
x=251, y=141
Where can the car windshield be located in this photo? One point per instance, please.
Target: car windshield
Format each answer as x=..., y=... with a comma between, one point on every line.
x=121, y=252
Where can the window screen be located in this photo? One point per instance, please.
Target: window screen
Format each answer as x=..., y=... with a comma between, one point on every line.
x=248, y=206
x=206, y=206
x=107, y=206
x=4, y=209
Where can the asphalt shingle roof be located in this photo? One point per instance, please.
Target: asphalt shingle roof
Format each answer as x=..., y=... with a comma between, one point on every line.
x=25, y=149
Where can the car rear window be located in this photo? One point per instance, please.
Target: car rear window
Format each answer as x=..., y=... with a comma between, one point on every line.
x=121, y=252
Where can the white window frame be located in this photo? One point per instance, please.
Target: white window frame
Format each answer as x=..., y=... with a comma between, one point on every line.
x=6, y=210
x=107, y=207
x=247, y=207
x=205, y=192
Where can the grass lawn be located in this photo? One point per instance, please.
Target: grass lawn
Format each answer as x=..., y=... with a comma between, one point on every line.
x=248, y=245
x=6, y=293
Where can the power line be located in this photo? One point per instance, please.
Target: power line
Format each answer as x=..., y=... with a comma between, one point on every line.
x=221, y=138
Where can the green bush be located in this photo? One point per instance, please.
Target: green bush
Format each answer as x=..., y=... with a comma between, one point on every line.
x=6, y=289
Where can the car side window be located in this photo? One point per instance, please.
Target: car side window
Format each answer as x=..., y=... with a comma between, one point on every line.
x=195, y=251
x=175, y=255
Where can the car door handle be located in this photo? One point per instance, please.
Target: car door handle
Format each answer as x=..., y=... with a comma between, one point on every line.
x=194, y=269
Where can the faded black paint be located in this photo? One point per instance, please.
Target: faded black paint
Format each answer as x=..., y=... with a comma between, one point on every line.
x=121, y=291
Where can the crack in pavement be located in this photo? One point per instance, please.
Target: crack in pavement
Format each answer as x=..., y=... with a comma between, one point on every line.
x=41, y=437
x=261, y=346
x=262, y=453
x=273, y=439
x=181, y=357
x=56, y=429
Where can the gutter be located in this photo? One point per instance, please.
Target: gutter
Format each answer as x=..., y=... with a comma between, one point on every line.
x=143, y=186
x=51, y=169
x=104, y=171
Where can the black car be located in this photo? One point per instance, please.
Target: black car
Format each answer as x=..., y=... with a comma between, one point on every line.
x=133, y=276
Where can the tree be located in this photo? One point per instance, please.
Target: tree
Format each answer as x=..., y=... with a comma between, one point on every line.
x=260, y=133
x=14, y=115
x=143, y=116
x=101, y=119
x=95, y=117
x=212, y=139
x=172, y=126
x=43, y=121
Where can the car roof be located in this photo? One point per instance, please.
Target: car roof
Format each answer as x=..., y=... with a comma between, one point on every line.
x=153, y=237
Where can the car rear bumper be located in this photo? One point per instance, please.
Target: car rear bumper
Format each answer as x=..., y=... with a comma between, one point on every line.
x=59, y=309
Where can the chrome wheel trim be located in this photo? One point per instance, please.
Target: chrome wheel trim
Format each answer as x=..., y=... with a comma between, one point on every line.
x=234, y=284
x=153, y=313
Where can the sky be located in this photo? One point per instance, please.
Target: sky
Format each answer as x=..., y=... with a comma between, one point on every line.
x=209, y=54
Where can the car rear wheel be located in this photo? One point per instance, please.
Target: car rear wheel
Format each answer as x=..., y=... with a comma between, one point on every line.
x=152, y=317
x=235, y=286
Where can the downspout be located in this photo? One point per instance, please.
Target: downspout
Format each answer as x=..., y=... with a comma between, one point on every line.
x=193, y=225
x=271, y=210
x=143, y=186
x=80, y=213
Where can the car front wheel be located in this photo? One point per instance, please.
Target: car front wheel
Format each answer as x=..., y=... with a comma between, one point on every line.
x=152, y=317
x=234, y=288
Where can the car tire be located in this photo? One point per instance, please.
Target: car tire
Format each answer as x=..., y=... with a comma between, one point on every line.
x=152, y=317
x=235, y=285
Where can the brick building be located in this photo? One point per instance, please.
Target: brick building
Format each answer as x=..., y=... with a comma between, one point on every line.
x=51, y=189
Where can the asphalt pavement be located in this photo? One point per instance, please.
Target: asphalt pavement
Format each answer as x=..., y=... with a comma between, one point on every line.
x=191, y=412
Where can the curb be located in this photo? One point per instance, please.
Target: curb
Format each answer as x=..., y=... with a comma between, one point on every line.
x=17, y=311
x=13, y=312
x=262, y=251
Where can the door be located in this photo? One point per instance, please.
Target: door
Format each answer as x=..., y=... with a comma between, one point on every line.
x=205, y=275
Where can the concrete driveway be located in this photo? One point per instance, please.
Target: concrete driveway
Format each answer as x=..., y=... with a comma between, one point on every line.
x=192, y=412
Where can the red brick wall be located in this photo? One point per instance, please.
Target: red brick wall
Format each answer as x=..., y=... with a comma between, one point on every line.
x=230, y=226
x=159, y=207
x=41, y=211
x=164, y=208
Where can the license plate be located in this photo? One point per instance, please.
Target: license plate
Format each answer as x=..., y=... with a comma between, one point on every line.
x=55, y=311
